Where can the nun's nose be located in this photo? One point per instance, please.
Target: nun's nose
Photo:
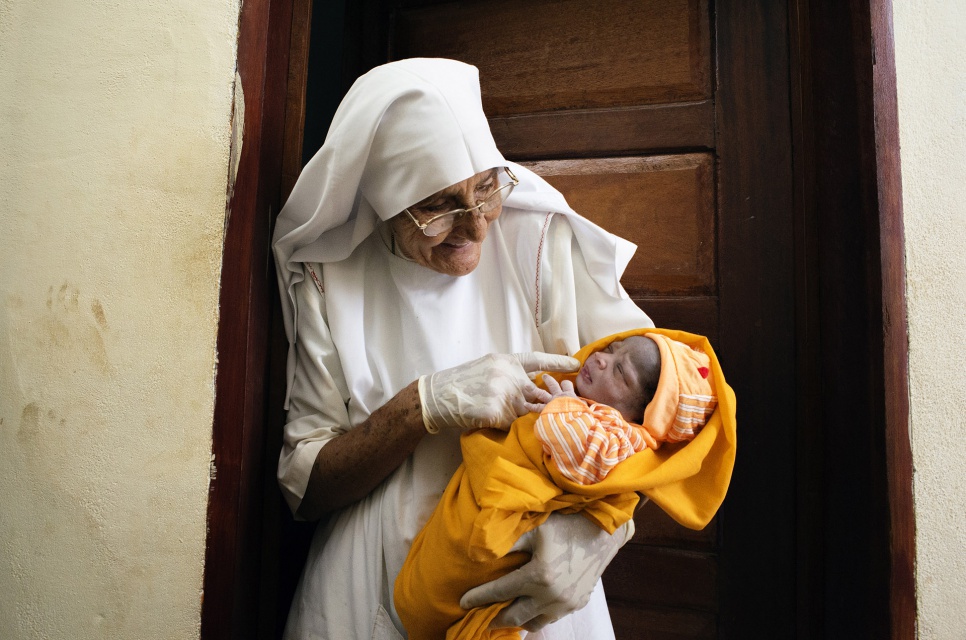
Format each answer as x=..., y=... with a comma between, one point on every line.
x=473, y=225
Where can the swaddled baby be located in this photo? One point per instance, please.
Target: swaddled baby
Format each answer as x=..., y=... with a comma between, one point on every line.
x=587, y=436
x=591, y=448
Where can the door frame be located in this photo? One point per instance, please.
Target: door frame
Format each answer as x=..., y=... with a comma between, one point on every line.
x=847, y=204
x=241, y=471
x=852, y=291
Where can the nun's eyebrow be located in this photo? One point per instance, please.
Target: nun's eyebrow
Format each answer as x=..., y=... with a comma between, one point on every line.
x=453, y=188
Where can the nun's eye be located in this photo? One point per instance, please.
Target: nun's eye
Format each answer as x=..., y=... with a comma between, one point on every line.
x=436, y=207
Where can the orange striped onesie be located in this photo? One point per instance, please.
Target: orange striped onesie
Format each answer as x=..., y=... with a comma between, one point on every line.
x=586, y=439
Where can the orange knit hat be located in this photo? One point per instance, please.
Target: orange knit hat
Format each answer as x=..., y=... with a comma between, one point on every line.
x=685, y=396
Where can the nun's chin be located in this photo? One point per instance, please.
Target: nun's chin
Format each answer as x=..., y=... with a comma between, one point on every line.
x=453, y=260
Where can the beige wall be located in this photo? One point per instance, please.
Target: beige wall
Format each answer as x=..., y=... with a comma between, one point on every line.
x=931, y=71
x=114, y=144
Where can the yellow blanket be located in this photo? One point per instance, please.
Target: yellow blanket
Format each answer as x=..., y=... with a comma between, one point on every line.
x=506, y=487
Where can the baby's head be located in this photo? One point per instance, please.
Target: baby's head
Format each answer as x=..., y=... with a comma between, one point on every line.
x=623, y=375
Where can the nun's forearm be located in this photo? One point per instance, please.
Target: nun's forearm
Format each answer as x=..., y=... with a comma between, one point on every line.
x=353, y=464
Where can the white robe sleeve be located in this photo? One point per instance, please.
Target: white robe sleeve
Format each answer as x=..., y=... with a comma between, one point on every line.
x=575, y=309
x=317, y=404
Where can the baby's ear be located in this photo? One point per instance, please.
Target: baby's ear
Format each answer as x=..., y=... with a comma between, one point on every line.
x=647, y=394
x=649, y=367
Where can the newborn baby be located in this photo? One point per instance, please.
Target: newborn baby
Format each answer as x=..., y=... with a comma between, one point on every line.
x=591, y=449
x=587, y=436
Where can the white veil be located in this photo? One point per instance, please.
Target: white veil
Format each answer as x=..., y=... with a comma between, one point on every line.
x=404, y=131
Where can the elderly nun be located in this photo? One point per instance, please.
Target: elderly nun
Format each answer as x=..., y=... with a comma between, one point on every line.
x=413, y=260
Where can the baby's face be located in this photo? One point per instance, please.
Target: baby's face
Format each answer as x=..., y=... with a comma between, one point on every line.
x=616, y=376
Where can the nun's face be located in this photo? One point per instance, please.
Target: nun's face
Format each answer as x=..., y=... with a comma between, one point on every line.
x=455, y=252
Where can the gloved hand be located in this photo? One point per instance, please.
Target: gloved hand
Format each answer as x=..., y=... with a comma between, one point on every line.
x=490, y=391
x=569, y=554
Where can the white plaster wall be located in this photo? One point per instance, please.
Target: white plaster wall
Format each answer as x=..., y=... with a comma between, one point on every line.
x=114, y=145
x=931, y=73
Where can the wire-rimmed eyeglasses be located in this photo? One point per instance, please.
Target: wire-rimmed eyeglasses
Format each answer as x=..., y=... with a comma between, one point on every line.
x=445, y=221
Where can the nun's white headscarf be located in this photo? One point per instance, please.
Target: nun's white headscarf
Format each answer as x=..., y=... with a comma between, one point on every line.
x=404, y=131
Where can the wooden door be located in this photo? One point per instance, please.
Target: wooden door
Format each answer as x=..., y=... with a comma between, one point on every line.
x=615, y=104
x=733, y=141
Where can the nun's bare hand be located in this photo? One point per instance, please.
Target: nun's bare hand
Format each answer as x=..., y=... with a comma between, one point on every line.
x=490, y=391
x=568, y=555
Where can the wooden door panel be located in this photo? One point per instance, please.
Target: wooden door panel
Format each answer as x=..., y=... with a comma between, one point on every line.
x=697, y=314
x=663, y=204
x=644, y=623
x=605, y=132
x=655, y=51
x=663, y=577
x=656, y=528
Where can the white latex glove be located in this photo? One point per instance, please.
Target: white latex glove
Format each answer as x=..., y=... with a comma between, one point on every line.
x=569, y=554
x=490, y=391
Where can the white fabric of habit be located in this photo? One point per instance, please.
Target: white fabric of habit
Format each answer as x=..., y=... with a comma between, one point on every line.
x=404, y=131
